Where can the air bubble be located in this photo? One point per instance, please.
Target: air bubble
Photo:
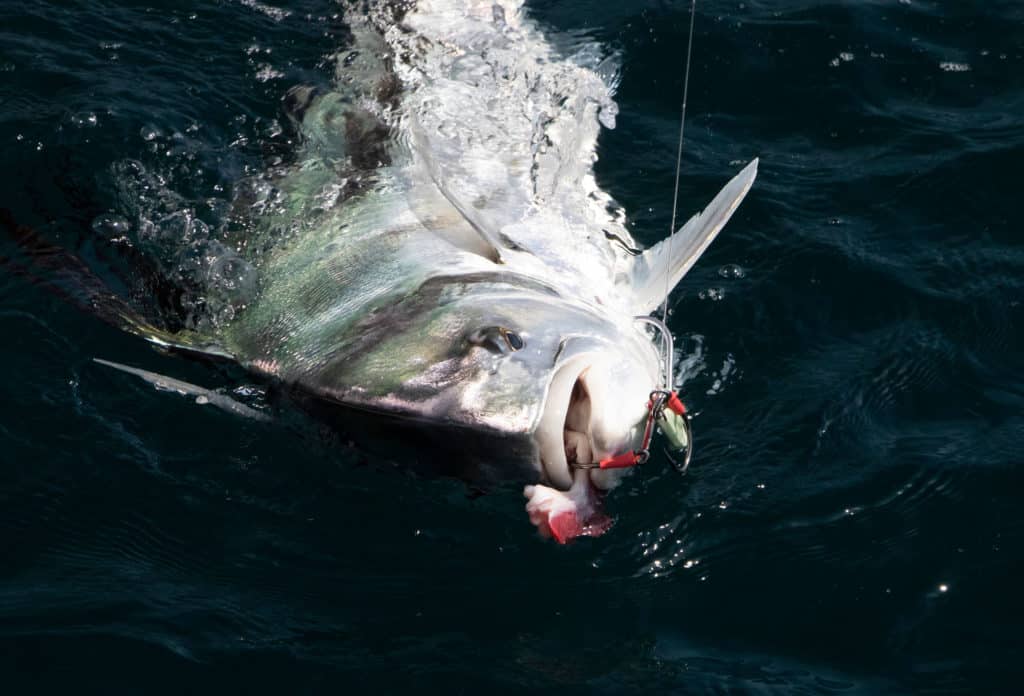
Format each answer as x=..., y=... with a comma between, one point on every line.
x=179, y=228
x=731, y=271
x=844, y=57
x=84, y=120
x=230, y=278
x=273, y=129
x=228, y=272
x=267, y=73
x=111, y=225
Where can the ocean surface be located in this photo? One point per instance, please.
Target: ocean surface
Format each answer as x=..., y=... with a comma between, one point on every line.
x=852, y=347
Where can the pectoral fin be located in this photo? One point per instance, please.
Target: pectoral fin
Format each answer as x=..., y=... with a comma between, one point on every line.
x=480, y=239
x=202, y=395
x=657, y=271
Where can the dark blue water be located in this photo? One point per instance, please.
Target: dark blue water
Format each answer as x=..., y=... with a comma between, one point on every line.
x=851, y=522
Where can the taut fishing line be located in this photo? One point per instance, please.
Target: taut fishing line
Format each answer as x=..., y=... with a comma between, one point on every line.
x=679, y=161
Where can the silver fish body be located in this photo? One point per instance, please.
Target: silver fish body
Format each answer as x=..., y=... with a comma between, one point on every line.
x=442, y=253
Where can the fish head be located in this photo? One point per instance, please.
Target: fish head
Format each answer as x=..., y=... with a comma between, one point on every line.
x=513, y=358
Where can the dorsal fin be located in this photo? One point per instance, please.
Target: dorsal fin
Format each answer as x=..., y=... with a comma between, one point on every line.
x=655, y=273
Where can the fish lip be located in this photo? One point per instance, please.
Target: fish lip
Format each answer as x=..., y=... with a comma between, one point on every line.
x=550, y=433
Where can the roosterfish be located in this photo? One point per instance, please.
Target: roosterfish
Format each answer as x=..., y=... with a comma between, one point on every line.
x=440, y=254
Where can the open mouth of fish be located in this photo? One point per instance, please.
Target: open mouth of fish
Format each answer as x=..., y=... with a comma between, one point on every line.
x=569, y=433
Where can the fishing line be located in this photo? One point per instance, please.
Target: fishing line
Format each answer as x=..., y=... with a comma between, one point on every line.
x=679, y=162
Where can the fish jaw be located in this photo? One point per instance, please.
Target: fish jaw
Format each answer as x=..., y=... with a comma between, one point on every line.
x=595, y=408
x=566, y=515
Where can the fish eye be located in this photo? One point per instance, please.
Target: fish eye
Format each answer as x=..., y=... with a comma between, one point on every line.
x=497, y=339
x=514, y=340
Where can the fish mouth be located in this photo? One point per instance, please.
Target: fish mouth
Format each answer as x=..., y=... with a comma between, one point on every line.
x=566, y=432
